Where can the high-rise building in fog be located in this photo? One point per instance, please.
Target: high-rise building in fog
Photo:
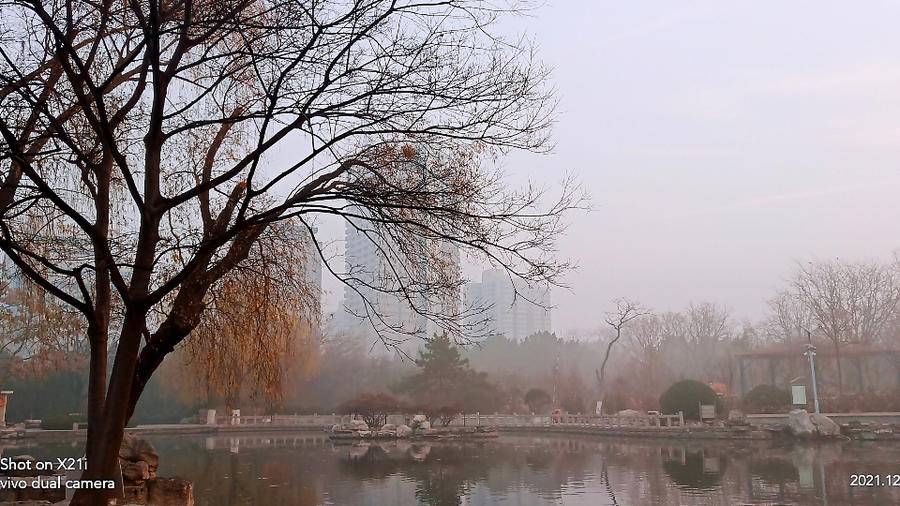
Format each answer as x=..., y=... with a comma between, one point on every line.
x=312, y=269
x=366, y=259
x=513, y=310
x=374, y=302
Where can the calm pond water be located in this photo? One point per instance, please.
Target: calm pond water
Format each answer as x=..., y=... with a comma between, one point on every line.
x=307, y=469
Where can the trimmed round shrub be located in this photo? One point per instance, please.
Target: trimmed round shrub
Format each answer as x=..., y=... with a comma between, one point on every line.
x=538, y=400
x=686, y=396
x=766, y=399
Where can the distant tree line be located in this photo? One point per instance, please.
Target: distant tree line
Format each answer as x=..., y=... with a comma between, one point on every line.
x=839, y=303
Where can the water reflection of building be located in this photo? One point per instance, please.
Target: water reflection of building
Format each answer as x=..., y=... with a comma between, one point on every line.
x=695, y=469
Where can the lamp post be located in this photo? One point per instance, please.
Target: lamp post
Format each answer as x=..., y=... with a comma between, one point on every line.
x=810, y=354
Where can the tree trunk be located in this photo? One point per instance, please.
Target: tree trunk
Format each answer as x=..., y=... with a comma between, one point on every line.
x=134, y=365
x=840, y=371
x=96, y=386
x=601, y=374
x=104, y=447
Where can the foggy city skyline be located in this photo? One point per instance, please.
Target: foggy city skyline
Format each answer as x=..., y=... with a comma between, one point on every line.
x=431, y=252
x=713, y=168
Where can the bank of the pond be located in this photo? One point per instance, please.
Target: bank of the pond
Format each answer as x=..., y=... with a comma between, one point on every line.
x=884, y=427
x=688, y=432
x=862, y=433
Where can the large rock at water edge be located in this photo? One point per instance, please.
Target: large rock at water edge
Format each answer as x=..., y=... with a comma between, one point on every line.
x=825, y=426
x=135, y=471
x=135, y=449
x=388, y=427
x=135, y=494
x=803, y=424
x=404, y=431
x=358, y=425
x=170, y=492
x=799, y=423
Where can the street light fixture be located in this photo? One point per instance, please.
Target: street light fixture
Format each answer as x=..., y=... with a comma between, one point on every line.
x=810, y=354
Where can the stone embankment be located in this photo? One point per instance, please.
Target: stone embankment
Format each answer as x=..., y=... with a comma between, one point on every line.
x=859, y=426
x=798, y=425
x=358, y=430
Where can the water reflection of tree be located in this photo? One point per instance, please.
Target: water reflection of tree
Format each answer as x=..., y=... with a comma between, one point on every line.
x=260, y=473
x=774, y=471
x=442, y=472
x=565, y=465
x=553, y=468
x=691, y=474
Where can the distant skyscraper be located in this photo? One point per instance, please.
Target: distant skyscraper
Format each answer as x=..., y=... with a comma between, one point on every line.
x=515, y=311
x=373, y=299
x=312, y=268
x=11, y=275
x=393, y=284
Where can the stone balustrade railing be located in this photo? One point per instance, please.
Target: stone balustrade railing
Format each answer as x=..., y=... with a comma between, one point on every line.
x=476, y=419
x=506, y=420
x=316, y=421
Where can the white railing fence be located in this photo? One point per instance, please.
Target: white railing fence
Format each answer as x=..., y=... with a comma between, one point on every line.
x=470, y=419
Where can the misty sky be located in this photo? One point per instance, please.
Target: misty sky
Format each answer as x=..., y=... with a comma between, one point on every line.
x=721, y=142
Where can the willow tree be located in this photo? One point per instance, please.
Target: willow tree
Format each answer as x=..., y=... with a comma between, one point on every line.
x=38, y=334
x=156, y=141
x=257, y=319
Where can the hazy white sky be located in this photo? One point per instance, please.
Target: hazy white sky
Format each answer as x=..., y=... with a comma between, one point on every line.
x=721, y=142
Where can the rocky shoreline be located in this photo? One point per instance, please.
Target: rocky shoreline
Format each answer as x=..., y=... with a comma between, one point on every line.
x=358, y=430
x=800, y=425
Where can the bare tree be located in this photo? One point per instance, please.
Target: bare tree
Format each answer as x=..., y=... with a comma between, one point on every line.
x=848, y=302
x=788, y=317
x=154, y=143
x=648, y=335
x=707, y=324
x=709, y=339
x=626, y=312
x=649, y=338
